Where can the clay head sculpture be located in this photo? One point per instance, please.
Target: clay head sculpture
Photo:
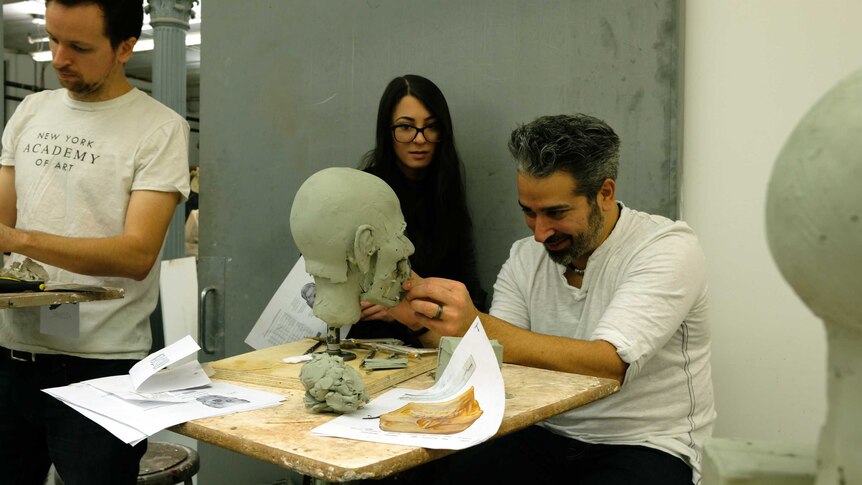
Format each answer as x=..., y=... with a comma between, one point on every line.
x=349, y=228
x=814, y=228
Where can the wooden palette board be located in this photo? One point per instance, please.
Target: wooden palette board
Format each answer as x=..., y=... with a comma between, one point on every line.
x=42, y=298
x=264, y=367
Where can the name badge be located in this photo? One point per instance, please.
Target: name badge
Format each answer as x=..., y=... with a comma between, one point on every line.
x=61, y=321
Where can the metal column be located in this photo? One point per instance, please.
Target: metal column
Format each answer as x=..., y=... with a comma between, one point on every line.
x=170, y=21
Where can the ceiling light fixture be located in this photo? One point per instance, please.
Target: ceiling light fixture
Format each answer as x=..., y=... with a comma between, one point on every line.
x=36, y=40
x=41, y=56
x=141, y=46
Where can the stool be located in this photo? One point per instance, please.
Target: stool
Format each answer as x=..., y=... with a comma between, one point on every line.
x=168, y=464
x=164, y=464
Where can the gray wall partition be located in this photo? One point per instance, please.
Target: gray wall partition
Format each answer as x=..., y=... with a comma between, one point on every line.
x=291, y=87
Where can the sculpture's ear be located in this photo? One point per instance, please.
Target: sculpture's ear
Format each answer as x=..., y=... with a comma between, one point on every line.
x=363, y=247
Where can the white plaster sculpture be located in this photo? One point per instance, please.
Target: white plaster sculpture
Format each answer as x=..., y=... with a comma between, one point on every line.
x=814, y=228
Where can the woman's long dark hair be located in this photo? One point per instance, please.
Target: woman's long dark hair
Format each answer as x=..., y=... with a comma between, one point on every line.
x=445, y=174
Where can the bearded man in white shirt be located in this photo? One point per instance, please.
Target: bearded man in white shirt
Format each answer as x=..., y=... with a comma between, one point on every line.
x=600, y=289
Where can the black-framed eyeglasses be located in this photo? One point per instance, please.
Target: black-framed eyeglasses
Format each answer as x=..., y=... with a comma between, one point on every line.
x=404, y=133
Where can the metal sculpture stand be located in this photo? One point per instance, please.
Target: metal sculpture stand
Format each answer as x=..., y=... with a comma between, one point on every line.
x=333, y=344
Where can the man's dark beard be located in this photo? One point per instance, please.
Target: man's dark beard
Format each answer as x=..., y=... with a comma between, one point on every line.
x=81, y=88
x=581, y=243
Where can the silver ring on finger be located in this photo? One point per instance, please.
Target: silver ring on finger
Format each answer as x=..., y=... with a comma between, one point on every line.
x=439, y=312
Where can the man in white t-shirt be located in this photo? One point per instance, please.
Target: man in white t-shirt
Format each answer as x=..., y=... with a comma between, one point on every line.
x=600, y=289
x=91, y=176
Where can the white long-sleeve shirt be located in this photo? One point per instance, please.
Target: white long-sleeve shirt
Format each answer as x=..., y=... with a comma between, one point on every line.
x=645, y=292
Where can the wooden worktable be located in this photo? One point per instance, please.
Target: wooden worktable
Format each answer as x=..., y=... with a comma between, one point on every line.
x=42, y=298
x=265, y=368
x=281, y=435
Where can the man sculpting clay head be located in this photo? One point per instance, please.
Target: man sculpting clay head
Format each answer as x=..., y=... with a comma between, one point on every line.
x=598, y=289
x=349, y=228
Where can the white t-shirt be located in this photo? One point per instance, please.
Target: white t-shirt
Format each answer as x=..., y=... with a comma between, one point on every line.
x=76, y=165
x=645, y=292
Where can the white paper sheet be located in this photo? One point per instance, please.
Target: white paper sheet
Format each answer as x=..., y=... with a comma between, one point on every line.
x=60, y=320
x=121, y=386
x=125, y=433
x=129, y=422
x=473, y=363
x=288, y=316
x=148, y=374
x=152, y=397
x=178, y=287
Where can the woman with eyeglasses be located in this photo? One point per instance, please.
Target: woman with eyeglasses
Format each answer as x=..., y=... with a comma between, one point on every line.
x=415, y=154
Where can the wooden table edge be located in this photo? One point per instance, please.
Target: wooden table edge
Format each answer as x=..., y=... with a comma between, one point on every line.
x=411, y=457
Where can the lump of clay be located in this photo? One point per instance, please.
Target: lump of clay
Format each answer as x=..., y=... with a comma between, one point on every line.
x=27, y=270
x=331, y=385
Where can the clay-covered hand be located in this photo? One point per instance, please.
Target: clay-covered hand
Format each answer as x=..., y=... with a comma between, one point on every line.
x=403, y=313
x=442, y=305
x=370, y=311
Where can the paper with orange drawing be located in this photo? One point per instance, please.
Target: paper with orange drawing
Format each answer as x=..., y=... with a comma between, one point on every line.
x=434, y=418
x=463, y=408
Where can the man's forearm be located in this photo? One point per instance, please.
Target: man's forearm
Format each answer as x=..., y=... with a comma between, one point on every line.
x=8, y=198
x=121, y=256
x=523, y=347
x=129, y=255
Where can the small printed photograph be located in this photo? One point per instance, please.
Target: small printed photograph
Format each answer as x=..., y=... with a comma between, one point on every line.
x=309, y=292
x=220, y=402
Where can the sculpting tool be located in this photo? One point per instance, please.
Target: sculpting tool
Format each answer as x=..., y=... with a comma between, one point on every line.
x=9, y=284
x=313, y=347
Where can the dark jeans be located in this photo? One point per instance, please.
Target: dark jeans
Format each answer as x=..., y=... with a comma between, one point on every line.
x=37, y=429
x=535, y=455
